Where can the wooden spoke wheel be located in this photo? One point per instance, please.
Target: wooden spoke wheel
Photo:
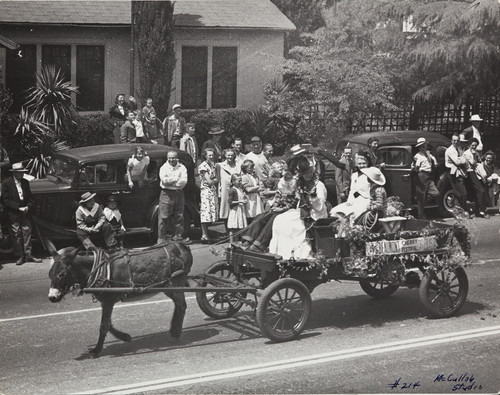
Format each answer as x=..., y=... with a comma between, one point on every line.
x=378, y=289
x=220, y=304
x=443, y=292
x=284, y=309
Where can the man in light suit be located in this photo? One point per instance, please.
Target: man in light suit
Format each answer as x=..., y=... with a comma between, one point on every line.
x=18, y=201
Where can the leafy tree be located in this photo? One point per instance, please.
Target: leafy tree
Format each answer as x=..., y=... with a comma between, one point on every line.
x=452, y=46
x=153, y=35
x=305, y=14
x=343, y=75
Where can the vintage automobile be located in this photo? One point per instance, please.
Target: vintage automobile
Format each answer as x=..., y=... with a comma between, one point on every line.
x=102, y=169
x=396, y=150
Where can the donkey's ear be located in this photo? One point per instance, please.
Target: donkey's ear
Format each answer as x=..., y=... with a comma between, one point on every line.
x=51, y=248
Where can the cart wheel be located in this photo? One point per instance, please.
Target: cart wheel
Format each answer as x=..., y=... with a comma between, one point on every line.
x=378, y=289
x=443, y=292
x=284, y=309
x=220, y=304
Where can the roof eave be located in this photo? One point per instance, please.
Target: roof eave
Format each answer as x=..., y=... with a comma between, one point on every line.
x=8, y=43
x=123, y=25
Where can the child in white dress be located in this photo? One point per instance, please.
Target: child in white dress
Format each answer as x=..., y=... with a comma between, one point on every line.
x=237, y=218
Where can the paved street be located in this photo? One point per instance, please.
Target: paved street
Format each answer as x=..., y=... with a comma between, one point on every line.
x=352, y=343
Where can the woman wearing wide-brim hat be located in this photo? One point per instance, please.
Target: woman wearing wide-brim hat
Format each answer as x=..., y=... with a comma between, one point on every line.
x=378, y=194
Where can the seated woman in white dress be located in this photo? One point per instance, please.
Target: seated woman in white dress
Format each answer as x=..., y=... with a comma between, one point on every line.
x=358, y=200
x=289, y=229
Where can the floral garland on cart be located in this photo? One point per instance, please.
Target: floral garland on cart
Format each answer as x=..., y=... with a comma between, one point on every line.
x=453, y=242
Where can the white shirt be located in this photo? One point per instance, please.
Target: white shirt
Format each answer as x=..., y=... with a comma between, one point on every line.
x=173, y=177
x=19, y=188
x=422, y=162
x=137, y=167
x=139, y=131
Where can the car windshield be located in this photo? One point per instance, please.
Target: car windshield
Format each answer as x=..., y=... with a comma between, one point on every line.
x=62, y=169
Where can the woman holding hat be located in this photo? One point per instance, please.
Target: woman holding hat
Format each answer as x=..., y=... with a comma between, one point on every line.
x=214, y=143
x=90, y=220
x=423, y=164
x=18, y=201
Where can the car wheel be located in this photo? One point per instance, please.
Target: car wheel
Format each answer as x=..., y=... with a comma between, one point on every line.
x=448, y=202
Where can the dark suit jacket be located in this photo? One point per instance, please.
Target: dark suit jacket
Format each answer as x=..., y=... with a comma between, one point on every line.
x=10, y=196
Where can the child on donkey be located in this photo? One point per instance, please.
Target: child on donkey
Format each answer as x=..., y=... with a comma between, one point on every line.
x=237, y=217
x=114, y=218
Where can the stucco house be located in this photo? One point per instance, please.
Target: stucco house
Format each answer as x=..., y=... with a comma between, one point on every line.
x=225, y=49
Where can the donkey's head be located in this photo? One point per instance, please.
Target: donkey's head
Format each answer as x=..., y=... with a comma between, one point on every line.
x=61, y=274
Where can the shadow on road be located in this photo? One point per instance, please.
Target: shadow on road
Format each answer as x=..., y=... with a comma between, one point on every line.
x=361, y=310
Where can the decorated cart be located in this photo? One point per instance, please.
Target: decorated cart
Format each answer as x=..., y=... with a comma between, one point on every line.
x=405, y=253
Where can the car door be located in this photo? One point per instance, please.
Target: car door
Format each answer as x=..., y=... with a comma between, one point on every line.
x=397, y=172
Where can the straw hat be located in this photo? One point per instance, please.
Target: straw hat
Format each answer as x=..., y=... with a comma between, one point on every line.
x=421, y=141
x=176, y=106
x=297, y=150
x=462, y=138
x=216, y=130
x=18, y=168
x=86, y=197
x=475, y=117
x=374, y=174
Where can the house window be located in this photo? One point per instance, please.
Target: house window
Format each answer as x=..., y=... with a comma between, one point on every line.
x=194, y=77
x=20, y=73
x=90, y=77
x=224, y=75
x=59, y=56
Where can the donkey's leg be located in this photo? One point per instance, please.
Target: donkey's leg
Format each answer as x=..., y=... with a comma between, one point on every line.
x=106, y=311
x=179, y=312
x=119, y=334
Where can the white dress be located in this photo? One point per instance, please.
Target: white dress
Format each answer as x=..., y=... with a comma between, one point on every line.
x=225, y=173
x=289, y=231
x=358, y=200
x=254, y=205
x=237, y=218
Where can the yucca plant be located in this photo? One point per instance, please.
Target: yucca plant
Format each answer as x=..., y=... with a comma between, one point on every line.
x=40, y=155
x=49, y=101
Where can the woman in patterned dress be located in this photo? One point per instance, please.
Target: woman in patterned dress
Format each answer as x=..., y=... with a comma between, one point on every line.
x=209, y=208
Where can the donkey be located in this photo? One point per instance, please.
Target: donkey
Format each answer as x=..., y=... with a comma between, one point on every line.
x=162, y=264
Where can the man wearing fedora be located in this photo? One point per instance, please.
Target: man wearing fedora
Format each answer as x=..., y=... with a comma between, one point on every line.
x=457, y=165
x=474, y=131
x=423, y=165
x=18, y=201
x=174, y=126
x=214, y=143
x=90, y=220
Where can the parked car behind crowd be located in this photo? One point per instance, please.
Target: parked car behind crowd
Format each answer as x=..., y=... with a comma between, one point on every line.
x=102, y=169
x=396, y=150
